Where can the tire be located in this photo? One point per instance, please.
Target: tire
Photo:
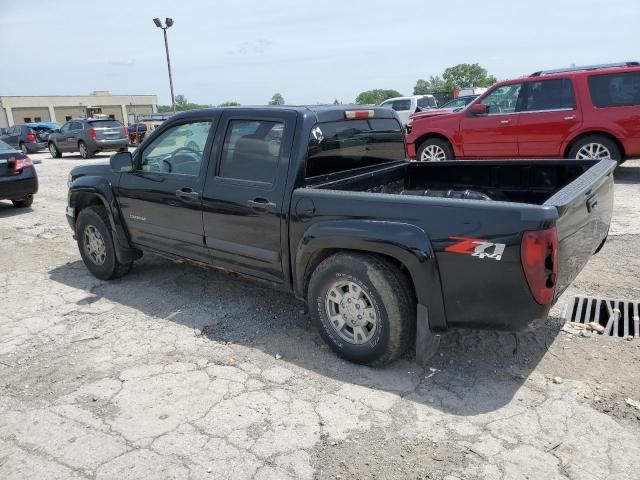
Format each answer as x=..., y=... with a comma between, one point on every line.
x=386, y=293
x=85, y=153
x=23, y=148
x=434, y=150
x=53, y=150
x=595, y=147
x=25, y=203
x=93, y=222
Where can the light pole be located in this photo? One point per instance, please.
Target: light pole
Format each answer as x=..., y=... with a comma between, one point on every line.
x=167, y=23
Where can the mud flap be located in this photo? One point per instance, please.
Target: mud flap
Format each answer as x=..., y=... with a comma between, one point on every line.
x=427, y=342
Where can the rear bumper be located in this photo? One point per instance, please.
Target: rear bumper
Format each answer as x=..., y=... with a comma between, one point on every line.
x=19, y=186
x=33, y=147
x=109, y=144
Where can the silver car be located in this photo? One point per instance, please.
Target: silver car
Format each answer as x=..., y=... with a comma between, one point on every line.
x=88, y=136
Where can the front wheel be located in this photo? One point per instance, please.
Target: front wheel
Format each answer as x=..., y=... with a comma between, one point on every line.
x=363, y=306
x=595, y=147
x=434, y=150
x=24, y=203
x=53, y=150
x=23, y=148
x=95, y=243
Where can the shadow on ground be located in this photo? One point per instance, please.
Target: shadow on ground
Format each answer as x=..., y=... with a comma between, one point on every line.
x=627, y=173
x=8, y=210
x=475, y=372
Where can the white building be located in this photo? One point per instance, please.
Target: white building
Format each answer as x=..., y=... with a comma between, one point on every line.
x=14, y=110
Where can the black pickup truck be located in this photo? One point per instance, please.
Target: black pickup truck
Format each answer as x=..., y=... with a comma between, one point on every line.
x=321, y=201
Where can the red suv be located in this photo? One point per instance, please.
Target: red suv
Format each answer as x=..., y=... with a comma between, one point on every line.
x=581, y=112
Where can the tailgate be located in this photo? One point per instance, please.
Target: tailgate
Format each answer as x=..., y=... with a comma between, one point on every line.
x=585, y=207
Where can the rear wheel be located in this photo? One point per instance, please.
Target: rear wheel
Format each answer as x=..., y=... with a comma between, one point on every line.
x=53, y=150
x=23, y=203
x=595, y=147
x=95, y=242
x=363, y=306
x=85, y=153
x=23, y=148
x=434, y=150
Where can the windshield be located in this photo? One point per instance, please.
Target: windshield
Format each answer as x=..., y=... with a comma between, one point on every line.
x=348, y=144
x=105, y=124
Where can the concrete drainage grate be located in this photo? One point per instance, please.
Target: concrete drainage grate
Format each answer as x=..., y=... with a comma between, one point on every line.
x=613, y=318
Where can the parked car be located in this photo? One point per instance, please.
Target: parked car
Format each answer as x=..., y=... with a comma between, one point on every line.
x=405, y=106
x=459, y=102
x=581, y=112
x=88, y=136
x=18, y=178
x=331, y=210
x=29, y=138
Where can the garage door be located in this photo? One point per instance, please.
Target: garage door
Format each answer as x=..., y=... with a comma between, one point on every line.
x=31, y=114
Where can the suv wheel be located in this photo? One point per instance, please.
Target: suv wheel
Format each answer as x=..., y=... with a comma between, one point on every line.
x=53, y=150
x=95, y=243
x=23, y=148
x=24, y=203
x=85, y=153
x=595, y=147
x=363, y=307
x=434, y=150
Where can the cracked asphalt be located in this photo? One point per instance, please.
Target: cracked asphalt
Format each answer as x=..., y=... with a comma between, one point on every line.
x=173, y=372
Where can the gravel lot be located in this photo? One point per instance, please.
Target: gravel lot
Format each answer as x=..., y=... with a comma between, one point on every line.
x=178, y=373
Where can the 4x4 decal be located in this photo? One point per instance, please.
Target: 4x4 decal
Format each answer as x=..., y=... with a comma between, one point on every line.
x=476, y=247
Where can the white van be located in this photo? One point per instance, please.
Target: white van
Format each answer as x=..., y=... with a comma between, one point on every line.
x=405, y=106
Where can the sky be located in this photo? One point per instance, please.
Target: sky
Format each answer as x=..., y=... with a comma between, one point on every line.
x=309, y=51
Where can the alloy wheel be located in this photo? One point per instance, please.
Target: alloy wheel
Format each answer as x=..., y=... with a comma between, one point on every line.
x=94, y=245
x=593, y=151
x=433, y=153
x=351, y=312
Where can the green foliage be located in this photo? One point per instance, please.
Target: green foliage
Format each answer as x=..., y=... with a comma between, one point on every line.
x=277, y=99
x=229, y=104
x=336, y=102
x=467, y=75
x=377, y=96
x=182, y=105
x=433, y=85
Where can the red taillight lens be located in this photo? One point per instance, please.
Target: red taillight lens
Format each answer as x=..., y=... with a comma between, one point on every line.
x=21, y=163
x=539, y=256
x=92, y=133
x=359, y=114
x=31, y=137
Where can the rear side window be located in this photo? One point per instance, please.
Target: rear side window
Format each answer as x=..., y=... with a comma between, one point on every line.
x=401, y=105
x=554, y=94
x=251, y=150
x=75, y=126
x=347, y=144
x=615, y=89
x=105, y=124
x=427, y=102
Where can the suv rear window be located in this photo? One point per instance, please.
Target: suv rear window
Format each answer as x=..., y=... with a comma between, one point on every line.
x=615, y=89
x=105, y=124
x=343, y=145
x=427, y=102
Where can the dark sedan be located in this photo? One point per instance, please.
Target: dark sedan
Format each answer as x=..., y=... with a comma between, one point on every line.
x=18, y=178
x=29, y=138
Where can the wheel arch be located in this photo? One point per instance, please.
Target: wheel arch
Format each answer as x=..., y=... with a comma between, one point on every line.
x=414, y=255
x=602, y=133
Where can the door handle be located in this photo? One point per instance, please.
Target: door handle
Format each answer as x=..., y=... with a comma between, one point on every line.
x=571, y=117
x=505, y=122
x=187, y=194
x=261, y=204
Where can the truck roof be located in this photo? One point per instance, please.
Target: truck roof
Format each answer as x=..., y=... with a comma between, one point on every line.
x=322, y=113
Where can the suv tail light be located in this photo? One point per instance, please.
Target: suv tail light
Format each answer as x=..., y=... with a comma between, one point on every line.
x=539, y=256
x=92, y=133
x=31, y=137
x=20, y=164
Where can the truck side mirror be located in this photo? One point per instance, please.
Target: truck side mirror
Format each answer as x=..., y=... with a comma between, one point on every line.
x=121, y=162
x=478, y=109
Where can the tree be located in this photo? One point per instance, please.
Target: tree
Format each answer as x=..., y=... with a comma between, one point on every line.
x=433, y=85
x=467, y=75
x=229, y=104
x=181, y=102
x=277, y=99
x=336, y=102
x=376, y=96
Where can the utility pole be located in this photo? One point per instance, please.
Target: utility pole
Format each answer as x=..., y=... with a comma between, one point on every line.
x=168, y=23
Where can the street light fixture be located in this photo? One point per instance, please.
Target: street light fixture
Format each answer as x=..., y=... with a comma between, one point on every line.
x=168, y=22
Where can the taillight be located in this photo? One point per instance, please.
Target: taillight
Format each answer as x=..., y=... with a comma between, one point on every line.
x=92, y=133
x=31, y=137
x=539, y=256
x=21, y=163
x=359, y=114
